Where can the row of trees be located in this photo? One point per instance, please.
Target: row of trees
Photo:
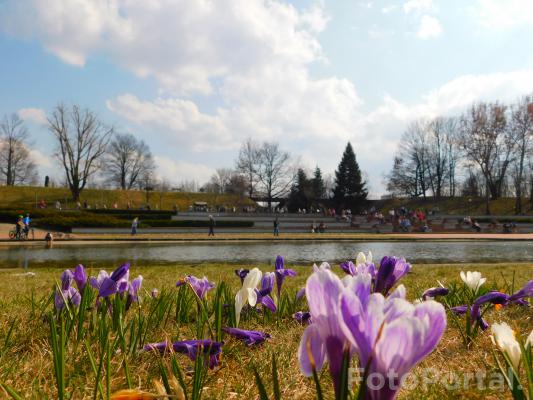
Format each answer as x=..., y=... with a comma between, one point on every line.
x=268, y=173
x=490, y=144
x=85, y=146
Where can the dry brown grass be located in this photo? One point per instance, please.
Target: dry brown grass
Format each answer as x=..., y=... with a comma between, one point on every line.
x=27, y=364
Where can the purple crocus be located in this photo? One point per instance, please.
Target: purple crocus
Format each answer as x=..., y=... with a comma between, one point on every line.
x=263, y=294
x=323, y=340
x=391, y=270
x=433, y=292
x=300, y=293
x=133, y=290
x=348, y=267
x=67, y=292
x=390, y=336
x=459, y=310
x=491, y=297
x=200, y=286
x=302, y=317
x=281, y=273
x=361, y=268
x=155, y=293
x=526, y=291
x=241, y=274
x=248, y=337
x=108, y=285
x=80, y=277
x=211, y=350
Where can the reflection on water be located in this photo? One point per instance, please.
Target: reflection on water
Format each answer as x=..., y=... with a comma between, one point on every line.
x=294, y=252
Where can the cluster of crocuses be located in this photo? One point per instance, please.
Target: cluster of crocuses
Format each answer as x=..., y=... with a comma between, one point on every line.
x=478, y=304
x=361, y=315
x=250, y=280
x=106, y=285
x=249, y=293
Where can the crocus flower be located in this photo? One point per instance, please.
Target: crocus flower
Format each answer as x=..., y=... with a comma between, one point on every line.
x=303, y=317
x=116, y=283
x=155, y=293
x=323, y=340
x=210, y=349
x=503, y=336
x=282, y=273
x=390, y=334
x=362, y=259
x=247, y=294
x=248, y=337
x=391, y=270
x=459, y=310
x=67, y=292
x=300, y=293
x=526, y=291
x=433, y=292
x=263, y=294
x=473, y=280
x=491, y=297
x=200, y=286
x=241, y=273
x=133, y=290
x=80, y=277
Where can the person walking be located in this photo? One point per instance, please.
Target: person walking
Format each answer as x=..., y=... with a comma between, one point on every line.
x=212, y=224
x=276, y=227
x=134, y=226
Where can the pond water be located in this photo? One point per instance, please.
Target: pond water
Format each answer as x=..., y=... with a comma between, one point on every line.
x=265, y=252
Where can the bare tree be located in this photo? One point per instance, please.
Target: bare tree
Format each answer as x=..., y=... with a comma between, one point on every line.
x=16, y=165
x=127, y=160
x=404, y=178
x=220, y=180
x=82, y=140
x=522, y=130
x=248, y=164
x=486, y=140
x=274, y=172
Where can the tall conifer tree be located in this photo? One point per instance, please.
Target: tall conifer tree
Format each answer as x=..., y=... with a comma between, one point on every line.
x=350, y=191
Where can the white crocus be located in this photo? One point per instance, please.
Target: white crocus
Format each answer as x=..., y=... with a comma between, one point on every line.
x=247, y=293
x=362, y=259
x=473, y=280
x=503, y=336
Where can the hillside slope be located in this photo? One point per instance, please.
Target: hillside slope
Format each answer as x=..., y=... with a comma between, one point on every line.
x=29, y=196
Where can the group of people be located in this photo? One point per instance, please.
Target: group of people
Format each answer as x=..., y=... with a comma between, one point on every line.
x=22, y=227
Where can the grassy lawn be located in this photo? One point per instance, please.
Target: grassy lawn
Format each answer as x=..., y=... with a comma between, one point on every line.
x=26, y=358
x=28, y=196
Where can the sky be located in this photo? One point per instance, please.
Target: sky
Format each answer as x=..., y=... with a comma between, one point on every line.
x=195, y=78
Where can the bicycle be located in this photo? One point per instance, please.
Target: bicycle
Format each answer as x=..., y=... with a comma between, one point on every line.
x=23, y=235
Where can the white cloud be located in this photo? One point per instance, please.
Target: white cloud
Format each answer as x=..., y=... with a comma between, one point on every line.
x=429, y=28
x=40, y=159
x=506, y=14
x=36, y=115
x=418, y=6
x=178, y=171
x=184, y=44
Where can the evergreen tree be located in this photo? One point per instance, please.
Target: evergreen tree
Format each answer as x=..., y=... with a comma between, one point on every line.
x=318, y=185
x=300, y=196
x=350, y=191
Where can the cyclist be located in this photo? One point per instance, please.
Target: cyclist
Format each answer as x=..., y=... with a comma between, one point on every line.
x=19, y=227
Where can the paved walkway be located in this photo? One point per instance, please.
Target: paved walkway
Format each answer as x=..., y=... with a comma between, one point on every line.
x=180, y=237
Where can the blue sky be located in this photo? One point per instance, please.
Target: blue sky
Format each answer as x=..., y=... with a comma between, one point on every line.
x=195, y=78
